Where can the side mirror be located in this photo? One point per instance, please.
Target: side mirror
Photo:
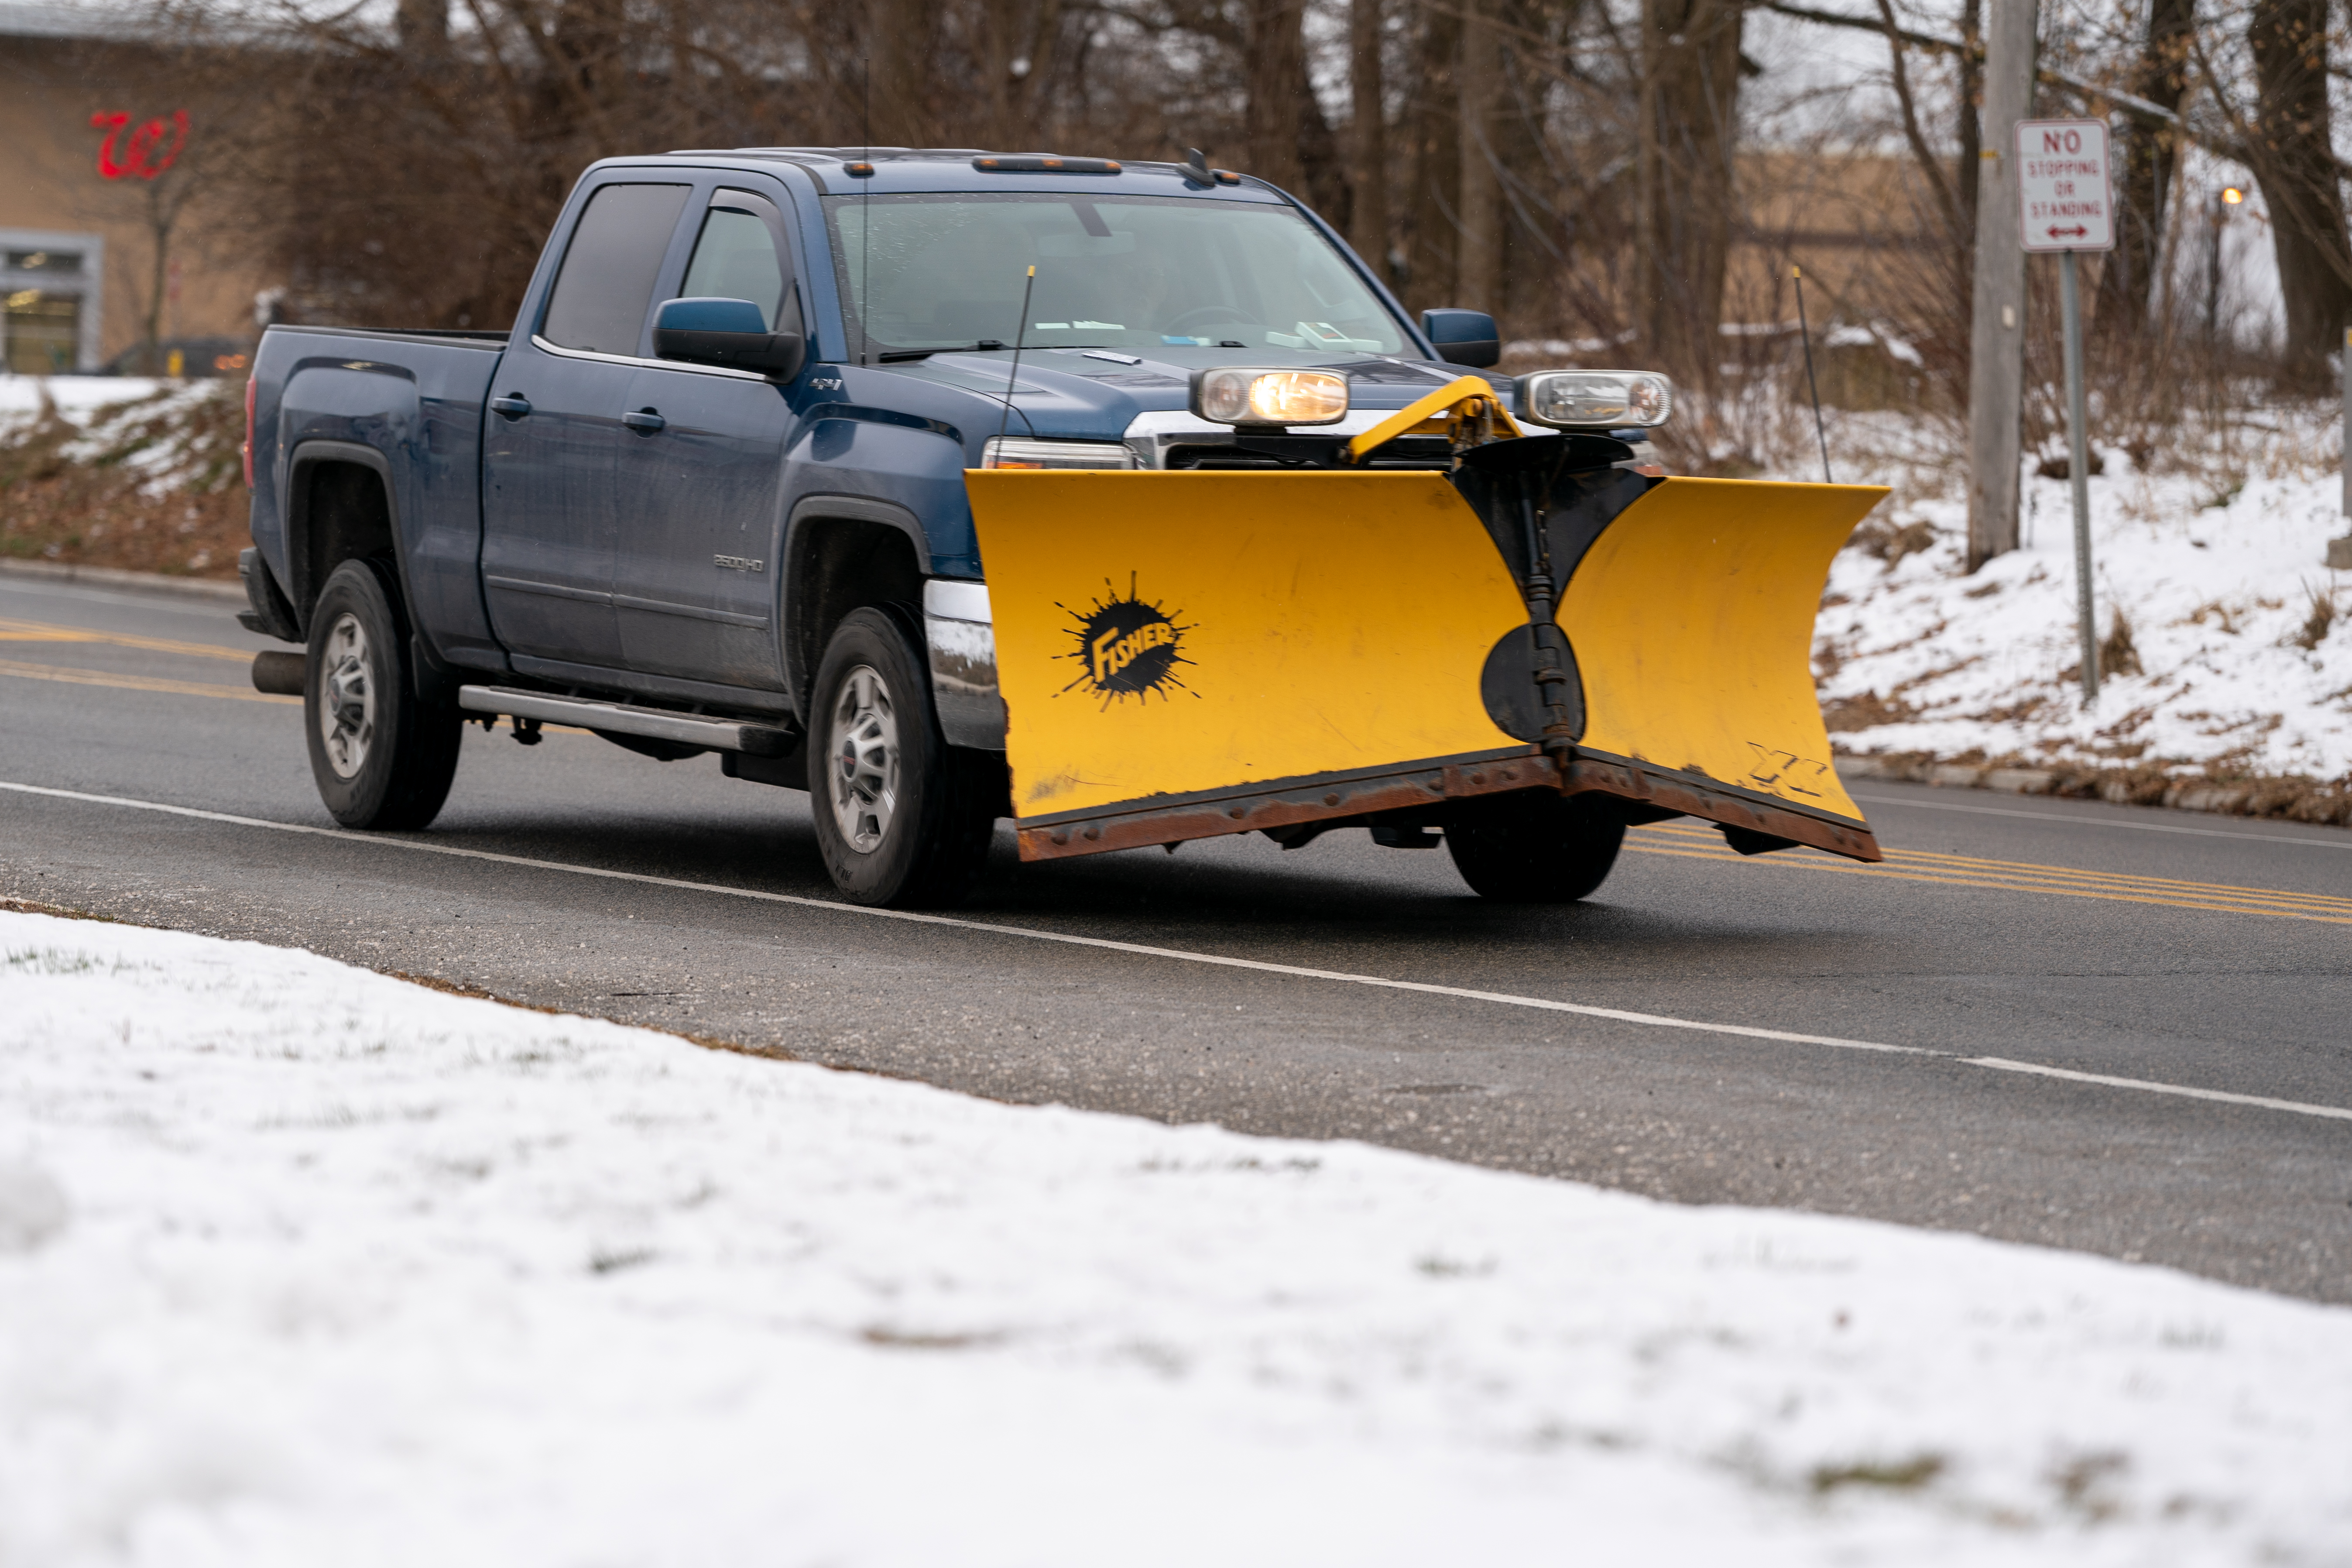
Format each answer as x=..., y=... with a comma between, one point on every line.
x=731, y=332
x=1464, y=337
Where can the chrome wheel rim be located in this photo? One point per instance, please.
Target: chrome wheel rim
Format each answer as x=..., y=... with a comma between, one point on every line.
x=346, y=697
x=863, y=759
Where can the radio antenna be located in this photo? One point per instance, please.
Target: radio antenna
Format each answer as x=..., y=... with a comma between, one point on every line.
x=1019, y=334
x=1796, y=276
x=866, y=218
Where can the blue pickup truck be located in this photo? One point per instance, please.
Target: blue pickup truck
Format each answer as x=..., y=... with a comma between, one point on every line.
x=711, y=492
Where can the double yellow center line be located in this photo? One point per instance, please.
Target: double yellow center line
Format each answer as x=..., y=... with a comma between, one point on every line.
x=73, y=675
x=42, y=631
x=1690, y=842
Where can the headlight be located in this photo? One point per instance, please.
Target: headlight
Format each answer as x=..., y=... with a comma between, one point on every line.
x=1596, y=399
x=1236, y=396
x=1022, y=452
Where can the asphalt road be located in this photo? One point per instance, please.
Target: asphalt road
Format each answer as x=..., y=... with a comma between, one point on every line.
x=2116, y=1030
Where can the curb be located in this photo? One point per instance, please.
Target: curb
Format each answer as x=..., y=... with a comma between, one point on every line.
x=114, y=577
x=2277, y=800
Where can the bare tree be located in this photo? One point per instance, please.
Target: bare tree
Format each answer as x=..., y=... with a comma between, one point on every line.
x=1433, y=114
x=2150, y=150
x=1368, y=131
x=2293, y=155
x=1274, y=51
x=1477, y=85
x=1687, y=134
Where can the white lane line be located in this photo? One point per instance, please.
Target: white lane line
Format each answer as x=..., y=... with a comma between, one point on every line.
x=1184, y=956
x=2004, y=1064
x=2071, y=820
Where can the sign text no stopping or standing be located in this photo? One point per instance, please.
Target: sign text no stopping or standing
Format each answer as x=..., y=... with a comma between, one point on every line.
x=2064, y=194
x=2066, y=203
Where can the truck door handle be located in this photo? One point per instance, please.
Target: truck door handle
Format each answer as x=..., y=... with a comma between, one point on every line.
x=514, y=405
x=644, y=421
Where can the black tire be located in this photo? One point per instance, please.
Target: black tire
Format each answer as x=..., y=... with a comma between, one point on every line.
x=382, y=756
x=902, y=818
x=1534, y=847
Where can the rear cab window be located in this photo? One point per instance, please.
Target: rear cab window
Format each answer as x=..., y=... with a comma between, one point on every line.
x=606, y=287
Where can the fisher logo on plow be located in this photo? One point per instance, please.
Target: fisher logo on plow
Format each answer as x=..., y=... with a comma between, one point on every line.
x=1129, y=647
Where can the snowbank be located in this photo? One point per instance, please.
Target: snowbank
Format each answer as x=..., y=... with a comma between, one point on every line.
x=304, y=1265
x=76, y=396
x=2214, y=566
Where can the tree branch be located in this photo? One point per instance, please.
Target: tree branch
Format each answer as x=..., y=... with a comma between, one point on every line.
x=1929, y=165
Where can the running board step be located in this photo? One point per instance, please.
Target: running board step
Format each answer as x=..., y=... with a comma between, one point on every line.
x=719, y=734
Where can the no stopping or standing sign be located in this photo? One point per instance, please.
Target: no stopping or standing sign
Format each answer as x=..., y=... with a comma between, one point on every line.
x=2064, y=197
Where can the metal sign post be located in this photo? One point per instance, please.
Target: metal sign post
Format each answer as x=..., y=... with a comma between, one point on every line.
x=2339, y=551
x=2067, y=205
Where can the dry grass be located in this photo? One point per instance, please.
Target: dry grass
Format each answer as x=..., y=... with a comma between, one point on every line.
x=75, y=495
x=2117, y=654
x=1891, y=542
x=2323, y=615
x=2220, y=789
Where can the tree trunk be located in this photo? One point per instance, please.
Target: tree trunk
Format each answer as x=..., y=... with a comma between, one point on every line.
x=2144, y=167
x=423, y=28
x=1478, y=88
x=1323, y=164
x=1277, y=68
x=1436, y=122
x=1368, y=140
x=2292, y=158
x=159, y=236
x=1687, y=136
x=902, y=48
x=1530, y=287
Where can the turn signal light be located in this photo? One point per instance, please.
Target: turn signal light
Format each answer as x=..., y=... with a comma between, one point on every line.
x=1233, y=395
x=1022, y=452
x=1596, y=399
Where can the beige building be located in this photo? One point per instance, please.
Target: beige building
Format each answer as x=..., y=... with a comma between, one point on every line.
x=107, y=234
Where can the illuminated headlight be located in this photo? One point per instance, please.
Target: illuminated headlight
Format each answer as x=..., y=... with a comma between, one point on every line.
x=1024, y=452
x=1596, y=399
x=1234, y=395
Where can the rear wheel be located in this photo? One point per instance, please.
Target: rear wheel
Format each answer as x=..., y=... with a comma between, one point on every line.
x=381, y=755
x=1534, y=847
x=901, y=816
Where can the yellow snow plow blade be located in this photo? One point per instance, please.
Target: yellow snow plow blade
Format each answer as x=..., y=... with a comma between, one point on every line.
x=1176, y=650
x=1194, y=653
x=1692, y=622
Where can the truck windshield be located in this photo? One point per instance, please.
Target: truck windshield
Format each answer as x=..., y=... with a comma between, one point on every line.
x=1130, y=272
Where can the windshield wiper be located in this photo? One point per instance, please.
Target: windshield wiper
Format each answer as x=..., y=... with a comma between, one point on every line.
x=900, y=356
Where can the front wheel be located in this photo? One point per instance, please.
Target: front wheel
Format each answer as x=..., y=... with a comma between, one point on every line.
x=901, y=816
x=1534, y=847
x=381, y=755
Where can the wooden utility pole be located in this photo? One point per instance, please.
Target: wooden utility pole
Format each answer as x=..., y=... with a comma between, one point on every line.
x=1997, y=322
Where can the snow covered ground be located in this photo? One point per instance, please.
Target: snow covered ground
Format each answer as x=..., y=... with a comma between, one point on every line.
x=2214, y=560
x=76, y=396
x=302, y=1265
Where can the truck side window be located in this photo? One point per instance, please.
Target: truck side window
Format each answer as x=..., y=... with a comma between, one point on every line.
x=607, y=285
x=736, y=257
